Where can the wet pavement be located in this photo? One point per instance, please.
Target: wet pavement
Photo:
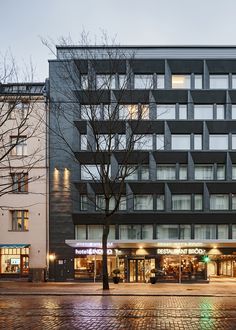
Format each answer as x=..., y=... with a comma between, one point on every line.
x=117, y=312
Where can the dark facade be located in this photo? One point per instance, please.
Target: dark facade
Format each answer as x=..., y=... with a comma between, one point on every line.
x=182, y=190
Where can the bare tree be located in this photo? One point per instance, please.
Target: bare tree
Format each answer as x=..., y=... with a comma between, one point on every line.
x=112, y=126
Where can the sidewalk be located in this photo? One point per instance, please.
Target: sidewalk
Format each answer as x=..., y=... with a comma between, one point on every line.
x=214, y=288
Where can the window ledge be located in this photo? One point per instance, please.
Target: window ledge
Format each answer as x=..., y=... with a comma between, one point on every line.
x=18, y=231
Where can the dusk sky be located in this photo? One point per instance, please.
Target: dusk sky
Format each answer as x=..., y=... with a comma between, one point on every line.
x=150, y=22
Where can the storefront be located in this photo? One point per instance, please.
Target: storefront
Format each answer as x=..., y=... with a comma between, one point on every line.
x=14, y=260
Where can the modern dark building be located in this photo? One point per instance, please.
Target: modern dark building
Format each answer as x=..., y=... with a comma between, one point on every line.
x=179, y=201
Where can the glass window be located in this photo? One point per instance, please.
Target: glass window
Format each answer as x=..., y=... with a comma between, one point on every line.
x=220, y=172
x=203, y=111
x=205, y=232
x=123, y=81
x=19, y=182
x=143, y=81
x=167, y=231
x=233, y=231
x=165, y=172
x=219, y=202
x=83, y=202
x=105, y=81
x=160, y=202
x=233, y=141
x=83, y=142
x=197, y=202
x=20, y=220
x=233, y=81
x=220, y=111
x=218, y=81
x=84, y=81
x=90, y=172
x=165, y=111
x=130, y=232
x=129, y=172
x=122, y=142
x=80, y=232
x=144, y=172
x=218, y=142
x=160, y=142
x=181, y=202
x=144, y=111
x=233, y=202
x=233, y=172
x=122, y=204
x=109, y=112
x=143, y=142
x=95, y=232
x=180, y=141
x=160, y=81
x=198, y=81
x=233, y=111
x=223, y=232
x=105, y=142
x=203, y=172
x=143, y=202
x=128, y=111
x=197, y=142
x=183, y=172
x=185, y=231
x=90, y=112
x=101, y=204
x=182, y=111
x=181, y=81
x=147, y=231
x=20, y=145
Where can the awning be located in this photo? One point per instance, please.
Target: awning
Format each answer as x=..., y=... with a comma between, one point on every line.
x=14, y=246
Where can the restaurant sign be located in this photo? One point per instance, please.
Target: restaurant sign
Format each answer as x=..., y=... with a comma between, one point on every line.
x=196, y=251
x=92, y=251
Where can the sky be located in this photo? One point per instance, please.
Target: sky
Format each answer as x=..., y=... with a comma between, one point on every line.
x=24, y=23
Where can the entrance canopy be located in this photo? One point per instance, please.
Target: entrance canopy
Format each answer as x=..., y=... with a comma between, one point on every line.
x=14, y=246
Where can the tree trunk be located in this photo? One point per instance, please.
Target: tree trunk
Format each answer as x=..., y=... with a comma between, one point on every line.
x=105, y=281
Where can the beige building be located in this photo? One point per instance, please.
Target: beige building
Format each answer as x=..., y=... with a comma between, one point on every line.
x=23, y=187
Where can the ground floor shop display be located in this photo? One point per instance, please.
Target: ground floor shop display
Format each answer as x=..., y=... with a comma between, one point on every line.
x=14, y=260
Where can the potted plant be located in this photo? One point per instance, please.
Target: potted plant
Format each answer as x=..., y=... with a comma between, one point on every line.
x=153, y=278
x=116, y=278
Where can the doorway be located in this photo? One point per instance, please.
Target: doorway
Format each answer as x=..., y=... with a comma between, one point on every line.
x=136, y=270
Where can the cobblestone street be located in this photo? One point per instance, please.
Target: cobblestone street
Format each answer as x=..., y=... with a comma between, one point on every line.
x=116, y=312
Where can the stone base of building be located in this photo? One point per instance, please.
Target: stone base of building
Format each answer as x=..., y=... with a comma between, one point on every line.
x=37, y=275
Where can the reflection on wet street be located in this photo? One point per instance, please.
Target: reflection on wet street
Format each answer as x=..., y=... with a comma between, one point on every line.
x=117, y=312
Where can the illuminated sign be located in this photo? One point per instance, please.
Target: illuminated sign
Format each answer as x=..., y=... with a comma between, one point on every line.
x=197, y=251
x=93, y=244
x=92, y=251
x=15, y=261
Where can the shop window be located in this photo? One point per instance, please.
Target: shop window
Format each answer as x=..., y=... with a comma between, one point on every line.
x=19, y=145
x=167, y=231
x=185, y=231
x=203, y=111
x=165, y=111
x=205, y=231
x=219, y=81
x=181, y=81
x=181, y=202
x=130, y=231
x=218, y=142
x=20, y=220
x=203, y=172
x=160, y=202
x=147, y=231
x=182, y=111
x=219, y=202
x=166, y=172
x=143, y=81
x=223, y=232
x=19, y=182
x=143, y=202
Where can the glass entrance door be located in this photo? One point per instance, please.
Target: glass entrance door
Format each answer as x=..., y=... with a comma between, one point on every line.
x=136, y=270
x=24, y=265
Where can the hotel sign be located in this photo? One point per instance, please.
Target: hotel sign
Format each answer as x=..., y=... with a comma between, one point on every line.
x=196, y=251
x=92, y=251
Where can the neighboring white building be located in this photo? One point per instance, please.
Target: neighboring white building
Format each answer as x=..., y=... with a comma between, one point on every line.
x=23, y=187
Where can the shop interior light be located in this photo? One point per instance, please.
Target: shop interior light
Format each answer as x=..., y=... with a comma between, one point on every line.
x=206, y=259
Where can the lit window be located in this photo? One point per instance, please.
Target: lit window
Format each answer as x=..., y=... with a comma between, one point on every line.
x=219, y=202
x=142, y=81
x=165, y=111
x=181, y=202
x=143, y=202
x=19, y=182
x=203, y=111
x=19, y=144
x=20, y=220
x=128, y=111
x=219, y=81
x=218, y=142
x=180, y=142
x=181, y=81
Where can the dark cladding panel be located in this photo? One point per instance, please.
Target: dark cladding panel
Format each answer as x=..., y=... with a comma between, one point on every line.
x=170, y=96
x=209, y=157
x=177, y=127
x=170, y=157
x=147, y=187
x=221, y=127
x=147, y=66
x=221, y=187
x=184, y=187
x=208, y=96
x=93, y=96
x=221, y=66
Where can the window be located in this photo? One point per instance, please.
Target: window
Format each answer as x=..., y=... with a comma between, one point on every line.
x=143, y=142
x=165, y=172
x=233, y=81
x=83, y=142
x=203, y=172
x=83, y=202
x=95, y=232
x=101, y=203
x=219, y=202
x=142, y=81
x=121, y=142
x=197, y=142
x=105, y=81
x=182, y=111
x=105, y=142
x=233, y=141
x=20, y=220
x=130, y=231
x=218, y=81
x=144, y=111
x=180, y=142
x=233, y=202
x=128, y=111
x=147, y=232
x=205, y=232
x=144, y=172
x=90, y=112
x=160, y=202
x=198, y=81
x=80, y=232
x=203, y=111
x=122, y=81
x=218, y=142
x=18, y=110
x=181, y=202
x=130, y=172
x=109, y=112
x=223, y=232
x=185, y=231
x=233, y=172
x=19, y=182
x=233, y=111
x=165, y=111
x=20, y=145
x=197, y=202
x=233, y=231
x=220, y=172
x=220, y=112
x=160, y=142
x=183, y=172
x=90, y=172
x=160, y=81
x=181, y=81
x=167, y=231
x=84, y=81
x=143, y=202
